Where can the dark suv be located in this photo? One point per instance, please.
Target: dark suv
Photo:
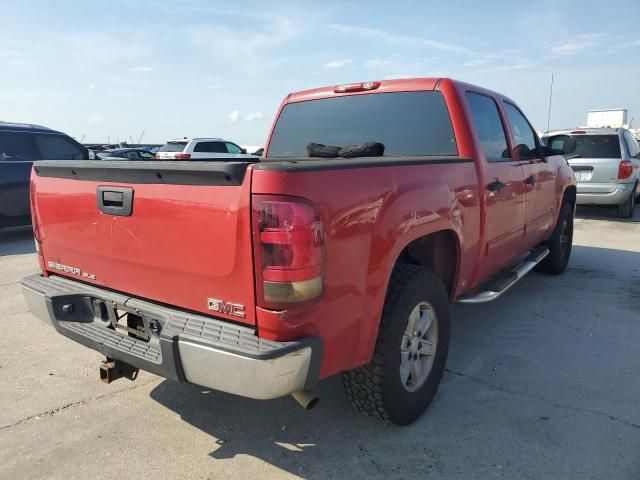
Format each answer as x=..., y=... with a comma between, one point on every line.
x=20, y=145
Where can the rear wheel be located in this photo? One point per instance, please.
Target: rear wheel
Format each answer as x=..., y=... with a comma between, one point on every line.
x=559, y=244
x=626, y=209
x=411, y=350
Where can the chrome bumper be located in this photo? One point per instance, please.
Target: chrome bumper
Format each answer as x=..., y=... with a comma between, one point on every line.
x=618, y=196
x=184, y=347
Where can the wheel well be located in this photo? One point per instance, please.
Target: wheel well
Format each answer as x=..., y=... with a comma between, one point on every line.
x=438, y=252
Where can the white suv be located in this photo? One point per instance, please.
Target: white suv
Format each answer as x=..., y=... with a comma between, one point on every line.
x=200, y=149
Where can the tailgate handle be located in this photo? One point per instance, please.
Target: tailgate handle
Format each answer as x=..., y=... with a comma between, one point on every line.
x=115, y=200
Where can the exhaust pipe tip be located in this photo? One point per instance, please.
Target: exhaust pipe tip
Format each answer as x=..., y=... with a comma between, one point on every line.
x=306, y=399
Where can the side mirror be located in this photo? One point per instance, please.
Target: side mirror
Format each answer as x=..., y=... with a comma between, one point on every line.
x=561, y=145
x=243, y=151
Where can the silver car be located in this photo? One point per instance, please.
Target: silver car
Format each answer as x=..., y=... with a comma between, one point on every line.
x=606, y=163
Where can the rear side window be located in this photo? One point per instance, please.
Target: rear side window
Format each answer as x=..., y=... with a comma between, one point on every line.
x=486, y=119
x=59, y=147
x=173, y=147
x=211, y=147
x=596, y=146
x=16, y=147
x=233, y=148
x=632, y=145
x=406, y=123
x=523, y=135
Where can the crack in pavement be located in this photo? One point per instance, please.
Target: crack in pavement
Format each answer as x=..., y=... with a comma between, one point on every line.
x=542, y=399
x=14, y=313
x=79, y=403
x=7, y=284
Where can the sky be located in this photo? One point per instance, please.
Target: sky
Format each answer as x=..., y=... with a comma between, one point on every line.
x=111, y=70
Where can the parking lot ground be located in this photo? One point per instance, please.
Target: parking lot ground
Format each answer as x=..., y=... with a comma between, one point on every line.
x=542, y=383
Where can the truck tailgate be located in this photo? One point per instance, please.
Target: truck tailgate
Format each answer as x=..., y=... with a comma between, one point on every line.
x=186, y=241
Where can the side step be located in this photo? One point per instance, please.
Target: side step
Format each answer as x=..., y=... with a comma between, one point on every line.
x=504, y=281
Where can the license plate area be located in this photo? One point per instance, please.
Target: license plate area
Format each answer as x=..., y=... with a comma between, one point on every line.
x=124, y=321
x=583, y=174
x=131, y=325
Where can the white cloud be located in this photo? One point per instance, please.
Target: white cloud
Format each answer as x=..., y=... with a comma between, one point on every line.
x=637, y=43
x=338, y=63
x=399, y=40
x=253, y=116
x=260, y=36
x=142, y=69
x=95, y=119
x=234, y=116
x=92, y=86
x=579, y=43
x=375, y=63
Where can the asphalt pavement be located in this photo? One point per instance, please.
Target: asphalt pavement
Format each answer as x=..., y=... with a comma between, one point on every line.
x=542, y=383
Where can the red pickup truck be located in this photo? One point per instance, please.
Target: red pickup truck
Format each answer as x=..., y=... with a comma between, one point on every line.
x=374, y=207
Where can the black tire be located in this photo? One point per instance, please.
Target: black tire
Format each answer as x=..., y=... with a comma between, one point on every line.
x=376, y=389
x=559, y=244
x=626, y=209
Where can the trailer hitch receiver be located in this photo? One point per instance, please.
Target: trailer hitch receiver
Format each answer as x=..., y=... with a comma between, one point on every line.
x=111, y=370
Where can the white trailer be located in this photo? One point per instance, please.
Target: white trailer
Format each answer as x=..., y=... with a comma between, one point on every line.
x=612, y=118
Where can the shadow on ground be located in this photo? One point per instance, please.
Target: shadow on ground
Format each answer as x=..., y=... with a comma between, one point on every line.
x=609, y=214
x=16, y=241
x=503, y=394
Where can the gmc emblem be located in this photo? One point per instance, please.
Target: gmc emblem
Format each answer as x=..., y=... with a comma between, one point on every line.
x=228, y=308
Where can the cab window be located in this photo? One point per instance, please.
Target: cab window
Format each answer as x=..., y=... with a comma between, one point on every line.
x=58, y=147
x=16, y=147
x=486, y=119
x=523, y=135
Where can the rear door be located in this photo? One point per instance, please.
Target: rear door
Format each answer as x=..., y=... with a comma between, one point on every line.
x=633, y=150
x=539, y=181
x=595, y=161
x=173, y=232
x=17, y=153
x=505, y=191
x=168, y=150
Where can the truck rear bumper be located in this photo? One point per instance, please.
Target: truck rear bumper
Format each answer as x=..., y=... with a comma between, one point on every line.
x=181, y=346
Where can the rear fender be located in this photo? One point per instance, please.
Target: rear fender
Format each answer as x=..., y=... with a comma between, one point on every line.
x=402, y=219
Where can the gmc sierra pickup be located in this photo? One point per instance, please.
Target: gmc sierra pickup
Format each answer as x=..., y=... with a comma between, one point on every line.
x=374, y=207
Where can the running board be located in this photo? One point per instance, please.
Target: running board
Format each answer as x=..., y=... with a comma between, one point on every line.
x=497, y=286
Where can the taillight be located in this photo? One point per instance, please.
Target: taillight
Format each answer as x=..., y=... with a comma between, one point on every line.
x=291, y=249
x=182, y=156
x=625, y=170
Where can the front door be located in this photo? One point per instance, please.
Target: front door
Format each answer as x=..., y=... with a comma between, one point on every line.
x=540, y=178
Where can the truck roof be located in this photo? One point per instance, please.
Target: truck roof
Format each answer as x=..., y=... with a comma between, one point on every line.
x=385, y=86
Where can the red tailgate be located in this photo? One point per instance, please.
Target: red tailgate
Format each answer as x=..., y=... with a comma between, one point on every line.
x=185, y=243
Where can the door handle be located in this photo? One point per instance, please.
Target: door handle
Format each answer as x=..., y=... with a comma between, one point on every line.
x=496, y=186
x=531, y=180
x=115, y=200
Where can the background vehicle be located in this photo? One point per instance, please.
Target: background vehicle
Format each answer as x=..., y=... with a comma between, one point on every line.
x=606, y=163
x=128, y=153
x=200, y=149
x=20, y=145
x=261, y=276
